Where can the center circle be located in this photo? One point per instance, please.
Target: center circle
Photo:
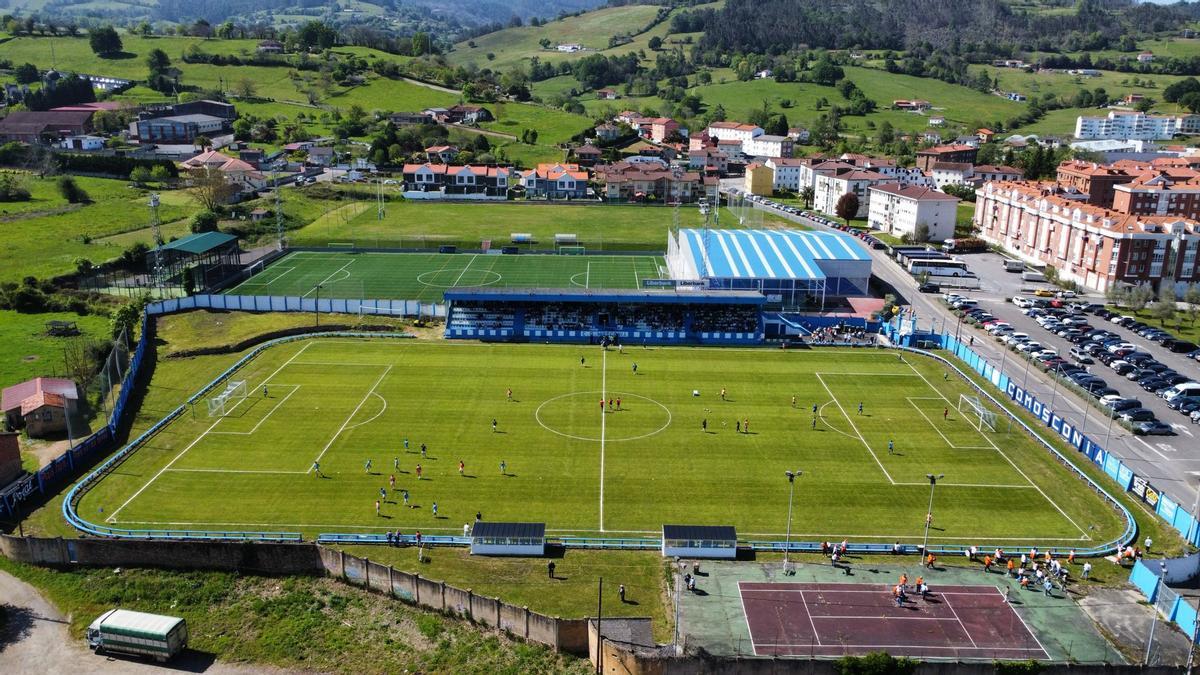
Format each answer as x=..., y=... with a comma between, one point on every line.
x=638, y=416
x=458, y=278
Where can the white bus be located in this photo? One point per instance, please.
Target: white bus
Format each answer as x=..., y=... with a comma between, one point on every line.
x=939, y=268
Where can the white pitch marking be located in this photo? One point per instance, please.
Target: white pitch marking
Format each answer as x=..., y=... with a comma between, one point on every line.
x=295, y=388
x=351, y=416
x=855, y=428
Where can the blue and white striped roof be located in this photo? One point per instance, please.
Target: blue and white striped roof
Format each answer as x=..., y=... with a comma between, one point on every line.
x=768, y=254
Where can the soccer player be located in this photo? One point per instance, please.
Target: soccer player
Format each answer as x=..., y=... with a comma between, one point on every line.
x=793, y=401
x=738, y=424
x=860, y=407
x=945, y=414
x=635, y=369
x=422, y=451
x=383, y=494
x=395, y=464
x=610, y=402
x=814, y=408
x=406, y=443
x=583, y=361
x=891, y=447
x=316, y=469
x=814, y=423
x=601, y=405
x=722, y=393
x=704, y=425
x=493, y=425
x=418, y=472
x=503, y=468
x=618, y=403
x=264, y=391
x=367, y=466
x=376, y=507
x=746, y=426
x=392, y=481
x=435, y=509
x=404, y=494
x=461, y=467
x=509, y=393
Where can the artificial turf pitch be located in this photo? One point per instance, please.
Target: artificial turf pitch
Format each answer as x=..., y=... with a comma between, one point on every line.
x=426, y=276
x=619, y=473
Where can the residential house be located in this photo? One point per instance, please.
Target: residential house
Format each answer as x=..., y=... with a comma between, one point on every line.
x=32, y=126
x=1094, y=247
x=1160, y=192
x=936, y=120
x=270, y=47
x=759, y=179
x=951, y=173
x=253, y=156
x=1015, y=96
x=606, y=133
x=799, y=134
x=321, y=155
x=607, y=94
x=1145, y=57
x=240, y=174
x=945, y=153
x=786, y=173
x=831, y=187
x=82, y=143
x=448, y=181
x=631, y=118
x=661, y=128
x=39, y=405
x=460, y=114
x=811, y=167
x=653, y=181
x=441, y=153
x=555, y=181
x=570, y=47
x=898, y=209
x=766, y=145
x=408, y=119
x=711, y=161
x=911, y=106
x=986, y=172
x=1096, y=181
x=985, y=135
x=588, y=154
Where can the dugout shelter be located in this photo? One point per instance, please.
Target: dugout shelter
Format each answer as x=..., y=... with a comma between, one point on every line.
x=606, y=316
x=520, y=539
x=794, y=269
x=208, y=259
x=699, y=541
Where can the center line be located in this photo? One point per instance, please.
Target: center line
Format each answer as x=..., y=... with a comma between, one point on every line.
x=603, y=420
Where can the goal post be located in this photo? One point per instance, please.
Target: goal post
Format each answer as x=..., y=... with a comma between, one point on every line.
x=220, y=404
x=979, y=415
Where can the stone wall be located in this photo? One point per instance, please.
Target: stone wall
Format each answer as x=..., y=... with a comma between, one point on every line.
x=258, y=558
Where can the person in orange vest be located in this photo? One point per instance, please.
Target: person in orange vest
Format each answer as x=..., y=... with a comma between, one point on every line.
x=929, y=560
x=987, y=563
x=1010, y=566
x=1071, y=557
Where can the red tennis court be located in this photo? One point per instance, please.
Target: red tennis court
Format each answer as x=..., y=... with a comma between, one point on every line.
x=954, y=622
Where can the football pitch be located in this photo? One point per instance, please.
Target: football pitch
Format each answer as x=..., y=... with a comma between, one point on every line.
x=426, y=276
x=674, y=451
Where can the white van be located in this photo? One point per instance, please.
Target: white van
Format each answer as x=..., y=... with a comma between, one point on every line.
x=1183, y=389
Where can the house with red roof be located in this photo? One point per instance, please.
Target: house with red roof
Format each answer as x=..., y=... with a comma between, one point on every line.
x=449, y=181
x=555, y=181
x=39, y=405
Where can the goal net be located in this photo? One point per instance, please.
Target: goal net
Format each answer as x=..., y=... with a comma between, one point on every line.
x=219, y=404
x=977, y=413
x=572, y=250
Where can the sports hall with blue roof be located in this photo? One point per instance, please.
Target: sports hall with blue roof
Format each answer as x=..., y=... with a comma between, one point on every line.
x=792, y=268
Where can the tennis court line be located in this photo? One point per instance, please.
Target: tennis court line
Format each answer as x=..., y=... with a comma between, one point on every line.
x=113, y=515
x=939, y=431
x=855, y=428
x=351, y=416
x=295, y=388
x=1008, y=459
x=962, y=625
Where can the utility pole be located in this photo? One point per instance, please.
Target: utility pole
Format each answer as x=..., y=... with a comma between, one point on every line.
x=787, y=540
x=278, y=210
x=156, y=227
x=929, y=513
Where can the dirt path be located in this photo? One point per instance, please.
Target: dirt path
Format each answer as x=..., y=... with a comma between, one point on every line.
x=35, y=639
x=435, y=87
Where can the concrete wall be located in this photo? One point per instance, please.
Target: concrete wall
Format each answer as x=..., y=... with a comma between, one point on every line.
x=262, y=558
x=486, y=610
x=458, y=601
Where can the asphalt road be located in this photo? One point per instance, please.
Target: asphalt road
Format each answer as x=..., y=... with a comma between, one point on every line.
x=1170, y=463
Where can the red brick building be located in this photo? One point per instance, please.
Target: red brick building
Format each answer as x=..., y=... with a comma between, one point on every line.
x=1094, y=180
x=957, y=153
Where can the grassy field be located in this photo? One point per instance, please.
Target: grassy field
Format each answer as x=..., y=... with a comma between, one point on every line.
x=344, y=402
x=43, y=237
x=302, y=623
x=415, y=223
x=1182, y=326
x=25, y=349
x=426, y=276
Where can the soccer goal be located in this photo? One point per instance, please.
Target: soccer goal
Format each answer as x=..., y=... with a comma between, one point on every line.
x=977, y=413
x=572, y=250
x=219, y=404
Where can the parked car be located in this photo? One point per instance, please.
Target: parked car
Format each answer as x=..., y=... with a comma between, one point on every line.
x=1138, y=415
x=1154, y=428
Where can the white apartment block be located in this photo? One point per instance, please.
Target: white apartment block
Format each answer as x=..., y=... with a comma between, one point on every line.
x=898, y=209
x=787, y=172
x=830, y=188
x=951, y=173
x=734, y=131
x=765, y=145
x=1128, y=125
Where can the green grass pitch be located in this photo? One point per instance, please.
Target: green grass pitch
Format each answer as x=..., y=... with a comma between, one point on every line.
x=583, y=471
x=426, y=276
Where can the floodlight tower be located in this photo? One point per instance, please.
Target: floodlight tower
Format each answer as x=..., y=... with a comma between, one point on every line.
x=278, y=208
x=379, y=208
x=156, y=228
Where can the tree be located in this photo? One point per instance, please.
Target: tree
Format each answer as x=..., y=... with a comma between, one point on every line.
x=1192, y=297
x=245, y=88
x=1163, y=308
x=205, y=221
x=1191, y=101
x=210, y=188
x=140, y=175
x=1140, y=296
x=81, y=360
x=847, y=207
x=806, y=195
x=159, y=174
x=83, y=266
x=421, y=44
x=26, y=73
x=1144, y=105
x=71, y=191
x=105, y=41
x=655, y=43
x=921, y=233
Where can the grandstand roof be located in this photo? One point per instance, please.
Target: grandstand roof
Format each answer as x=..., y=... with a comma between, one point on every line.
x=669, y=296
x=768, y=254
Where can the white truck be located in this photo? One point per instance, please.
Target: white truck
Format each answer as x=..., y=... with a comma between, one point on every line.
x=126, y=632
x=1014, y=266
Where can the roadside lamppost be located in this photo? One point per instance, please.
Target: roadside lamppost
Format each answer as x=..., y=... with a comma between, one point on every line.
x=787, y=541
x=929, y=512
x=317, y=305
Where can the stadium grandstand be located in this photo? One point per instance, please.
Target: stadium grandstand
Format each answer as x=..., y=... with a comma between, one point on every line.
x=793, y=269
x=673, y=316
